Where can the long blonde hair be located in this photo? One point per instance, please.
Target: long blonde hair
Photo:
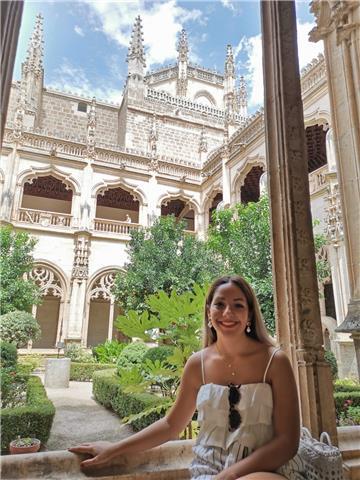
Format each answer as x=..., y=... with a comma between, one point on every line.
x=258, y=330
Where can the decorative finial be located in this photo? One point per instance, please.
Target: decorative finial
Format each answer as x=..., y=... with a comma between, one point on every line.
x=183, y=47
x=229, y=62
x=136, y=48
x=33, y=62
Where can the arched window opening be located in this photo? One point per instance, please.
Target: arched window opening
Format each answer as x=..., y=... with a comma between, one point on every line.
x=48, y=194
x=216, y=200
x=250, y=191
x=316, y=147
x=103, y=311
x=118, y=205
x=181, y=211
x=48, y=312
x=329, y=300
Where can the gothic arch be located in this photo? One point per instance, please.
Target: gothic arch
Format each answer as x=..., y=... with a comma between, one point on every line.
x=207, y=95
x=134, y=190
x=49, y=314
x=241, y=174
x=101, y=309
x=211, y=194
x=181, y=195
x=30, y=174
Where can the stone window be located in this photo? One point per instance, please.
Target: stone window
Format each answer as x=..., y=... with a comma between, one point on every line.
x=82, y=107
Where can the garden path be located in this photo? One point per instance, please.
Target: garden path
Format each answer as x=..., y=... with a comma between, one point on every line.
x=79, y=418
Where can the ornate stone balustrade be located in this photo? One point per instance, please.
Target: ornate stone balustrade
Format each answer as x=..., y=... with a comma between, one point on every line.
x=44, y=218
x=113, y=226
x=318, y=180
x=313, y=73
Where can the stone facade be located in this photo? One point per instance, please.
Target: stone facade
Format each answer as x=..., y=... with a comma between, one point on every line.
x=181, y=134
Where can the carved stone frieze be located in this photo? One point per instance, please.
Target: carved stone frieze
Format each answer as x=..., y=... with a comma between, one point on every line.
x=334, y=226
x=81, y=258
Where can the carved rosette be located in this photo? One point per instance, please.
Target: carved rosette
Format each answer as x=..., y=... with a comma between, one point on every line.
x=81, y=259
x=47, y=281
x=102, y=287
x=334, y=226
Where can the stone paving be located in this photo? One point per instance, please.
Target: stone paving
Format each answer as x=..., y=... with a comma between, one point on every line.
x=79, y=418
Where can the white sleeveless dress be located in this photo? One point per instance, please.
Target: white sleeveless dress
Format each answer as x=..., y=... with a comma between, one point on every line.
x=217, y=448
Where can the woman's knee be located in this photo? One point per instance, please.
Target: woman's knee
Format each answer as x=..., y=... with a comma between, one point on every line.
x=262, y=476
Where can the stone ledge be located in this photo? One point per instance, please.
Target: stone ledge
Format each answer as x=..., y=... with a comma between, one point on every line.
x=167, y=462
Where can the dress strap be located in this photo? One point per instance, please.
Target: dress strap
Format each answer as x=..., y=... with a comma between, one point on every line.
x=269, y=362
x=202, y=366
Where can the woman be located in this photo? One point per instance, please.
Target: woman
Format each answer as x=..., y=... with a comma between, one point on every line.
x=245, y=393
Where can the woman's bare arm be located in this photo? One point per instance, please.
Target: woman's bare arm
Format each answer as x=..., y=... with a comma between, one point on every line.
x=165, y=429
x=286, y=422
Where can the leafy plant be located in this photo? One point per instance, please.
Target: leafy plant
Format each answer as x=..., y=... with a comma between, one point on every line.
x=18, y=292
x=161, y=353
x=331, y=360
x=109, y=351
x=8, y=354
x=25, y=442
x=77, y=353
x=131, y=356
x=19, y=327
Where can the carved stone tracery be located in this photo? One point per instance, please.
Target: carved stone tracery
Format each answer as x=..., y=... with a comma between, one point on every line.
x=47, y=281
x=118, y=198
x=48, y=187
x=81, y=259
x=102, y=287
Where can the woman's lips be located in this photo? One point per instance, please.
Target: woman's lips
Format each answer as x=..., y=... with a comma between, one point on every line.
x=228, y=324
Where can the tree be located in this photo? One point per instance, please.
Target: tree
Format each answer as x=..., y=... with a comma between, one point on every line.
x=18, y=328
x=16, y=260
x=163, y=257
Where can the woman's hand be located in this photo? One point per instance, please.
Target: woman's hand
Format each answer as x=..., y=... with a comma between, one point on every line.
x=102, y=453
x=227, y=474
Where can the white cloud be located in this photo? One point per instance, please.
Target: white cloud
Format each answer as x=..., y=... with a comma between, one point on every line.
x=161, y=25
x=252, y=47
x=79, y=31
x=69, y=78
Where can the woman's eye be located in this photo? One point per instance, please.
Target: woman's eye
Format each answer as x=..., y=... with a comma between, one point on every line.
x=219, y=304
x=239, y=305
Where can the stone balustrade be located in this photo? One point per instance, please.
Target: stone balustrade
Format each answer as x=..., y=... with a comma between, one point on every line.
x=318, y=180
x=113, y=226
x=44, y=218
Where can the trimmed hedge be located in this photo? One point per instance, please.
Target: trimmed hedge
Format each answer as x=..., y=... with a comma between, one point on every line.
x=341, y=397
x=346, y=386
x=83, y=372
x=107, y=391
x=8, y=354
x=33, y=419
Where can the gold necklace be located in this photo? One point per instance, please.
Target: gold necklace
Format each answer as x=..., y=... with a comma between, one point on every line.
x=229, y=365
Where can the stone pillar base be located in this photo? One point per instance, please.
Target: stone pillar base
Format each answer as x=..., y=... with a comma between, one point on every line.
x=57, y=372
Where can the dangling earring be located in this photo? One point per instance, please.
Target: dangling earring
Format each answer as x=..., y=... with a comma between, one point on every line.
x=209, y=324
x=248, y=328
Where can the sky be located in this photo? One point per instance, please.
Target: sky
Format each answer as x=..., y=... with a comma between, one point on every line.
x=86, y=42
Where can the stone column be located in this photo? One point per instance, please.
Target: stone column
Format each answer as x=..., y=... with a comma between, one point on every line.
x=11, y=13
x=296, y=289
x=7, y=197
x=79, y=278
x=338, y=25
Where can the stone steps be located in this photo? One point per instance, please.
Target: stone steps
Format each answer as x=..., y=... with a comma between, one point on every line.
x=349, y=444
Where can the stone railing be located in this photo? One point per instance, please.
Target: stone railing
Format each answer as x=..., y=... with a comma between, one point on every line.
x=318, y=180
x=203, y=74
x=44, y=218
x=114, y=226
x=161, y=74
x=166, y=97
x=313, y=73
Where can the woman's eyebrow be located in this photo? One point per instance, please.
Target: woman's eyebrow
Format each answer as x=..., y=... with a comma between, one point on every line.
x=234, y=299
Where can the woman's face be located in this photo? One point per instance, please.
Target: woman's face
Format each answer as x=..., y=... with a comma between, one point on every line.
x=229, y=311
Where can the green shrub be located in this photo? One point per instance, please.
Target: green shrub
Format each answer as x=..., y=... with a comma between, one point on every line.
x=19, y=327
x=351, y=416
x=8, y=355
x=13, y=388
x=343, y=400
x=331, y=360
x=107, y=391
x=77, y=353
x=109, y=351
x=346, y=385
x=83, y=372
x=33, y=419
x=33, y=359
x=132, y=355
x=161, y=353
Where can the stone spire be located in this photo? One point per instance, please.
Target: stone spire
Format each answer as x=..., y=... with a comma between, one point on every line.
x=183, y=49
x=229, y=85
x=136, y=55
x=33, y=62
x=32, y=76
x=241, y=95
